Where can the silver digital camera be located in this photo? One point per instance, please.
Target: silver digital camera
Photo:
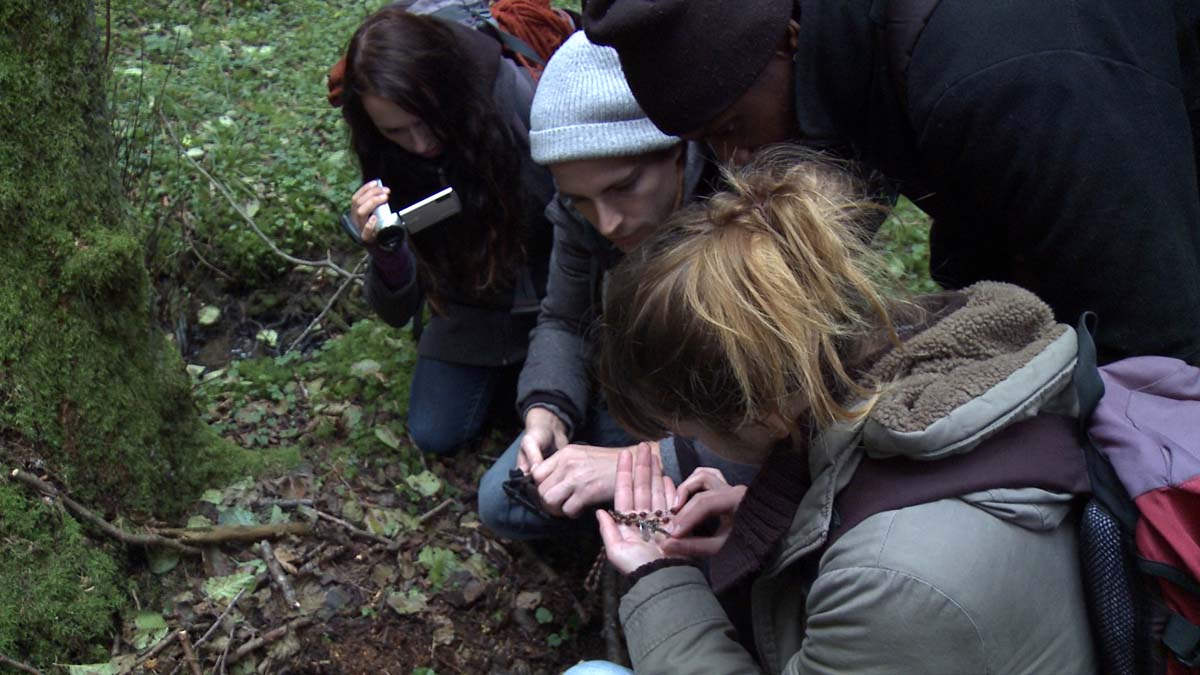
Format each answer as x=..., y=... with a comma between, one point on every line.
x=391, y=226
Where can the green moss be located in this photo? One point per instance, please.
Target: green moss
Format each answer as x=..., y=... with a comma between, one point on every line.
x=89, y=385
x=57, y=596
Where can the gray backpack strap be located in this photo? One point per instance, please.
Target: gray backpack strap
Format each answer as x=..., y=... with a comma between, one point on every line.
x=904, y=21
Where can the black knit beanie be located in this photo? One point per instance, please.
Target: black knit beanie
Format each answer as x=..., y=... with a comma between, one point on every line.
x=688, y=60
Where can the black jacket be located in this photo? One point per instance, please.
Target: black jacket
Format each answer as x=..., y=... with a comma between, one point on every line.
x=494, y=330
x=1053, y=143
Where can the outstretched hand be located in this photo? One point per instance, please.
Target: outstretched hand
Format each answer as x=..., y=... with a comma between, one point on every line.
x=640, y=488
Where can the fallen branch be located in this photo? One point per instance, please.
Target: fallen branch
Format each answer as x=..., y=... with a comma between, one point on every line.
x=277, y=575
x=612, y=624
x=229, y=196
x=4, y=660
x=219, y=535
x=83, y=513
x=286, y=503
x=312, y=565
x=156, y=649
x=212, y=629
x=361, y=534
x=189, y=656
x=328, y=305
x=434, y=511
x=268, y=637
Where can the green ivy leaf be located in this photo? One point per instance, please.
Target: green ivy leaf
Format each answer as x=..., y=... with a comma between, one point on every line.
x=440, y=562
x=148, y=628
x=413, y=602
x=387, y=437
x=543, y=615
x=162, y=560
x=225, y=589
x=425, y=483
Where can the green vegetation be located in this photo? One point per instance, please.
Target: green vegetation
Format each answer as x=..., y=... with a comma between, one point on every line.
x=63, y=604
x=239, y=88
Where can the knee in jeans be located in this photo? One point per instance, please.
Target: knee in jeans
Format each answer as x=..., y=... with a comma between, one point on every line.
x=434, y=441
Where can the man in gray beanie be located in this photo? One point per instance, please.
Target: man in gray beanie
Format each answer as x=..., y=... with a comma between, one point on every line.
x=618, y=178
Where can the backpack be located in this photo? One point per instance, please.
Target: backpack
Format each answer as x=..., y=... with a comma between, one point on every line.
x=1133, y=456
x=529, y=31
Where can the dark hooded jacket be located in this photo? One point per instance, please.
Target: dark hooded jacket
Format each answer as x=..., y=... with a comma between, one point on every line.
x=1053, y=143
x=490, y=329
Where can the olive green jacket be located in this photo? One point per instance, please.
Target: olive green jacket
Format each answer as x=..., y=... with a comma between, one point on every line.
x=984, y=583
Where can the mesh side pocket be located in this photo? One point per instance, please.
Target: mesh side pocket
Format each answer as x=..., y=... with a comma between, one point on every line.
x=1109, y=581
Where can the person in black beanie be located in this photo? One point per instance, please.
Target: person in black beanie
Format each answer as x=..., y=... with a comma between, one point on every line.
x=1054, y=144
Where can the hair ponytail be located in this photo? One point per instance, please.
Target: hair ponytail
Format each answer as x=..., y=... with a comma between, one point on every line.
x=761, y=295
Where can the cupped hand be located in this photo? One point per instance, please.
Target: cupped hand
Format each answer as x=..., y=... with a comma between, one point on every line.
x=702, y=496
x=362, y=208
x=640, y=487
x=544, y=433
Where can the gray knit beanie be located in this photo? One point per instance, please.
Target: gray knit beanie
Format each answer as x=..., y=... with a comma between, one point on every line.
x=583, y=108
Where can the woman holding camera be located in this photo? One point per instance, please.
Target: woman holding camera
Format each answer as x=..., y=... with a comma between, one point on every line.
x=762, y=332
x=432, y=104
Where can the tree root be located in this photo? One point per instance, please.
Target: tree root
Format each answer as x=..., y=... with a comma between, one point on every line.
x=81, y=512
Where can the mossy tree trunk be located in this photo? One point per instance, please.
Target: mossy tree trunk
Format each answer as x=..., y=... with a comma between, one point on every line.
x=88, y=387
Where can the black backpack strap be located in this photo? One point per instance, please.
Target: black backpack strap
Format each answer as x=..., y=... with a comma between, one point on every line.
x=1182, y=637
x=1089, y=389
x=1041, y=452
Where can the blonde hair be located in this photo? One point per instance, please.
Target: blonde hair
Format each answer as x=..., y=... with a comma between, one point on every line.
x=761, y=295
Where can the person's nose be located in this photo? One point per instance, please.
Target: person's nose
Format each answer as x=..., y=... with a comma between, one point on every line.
x=609, y=219
x=424, y=141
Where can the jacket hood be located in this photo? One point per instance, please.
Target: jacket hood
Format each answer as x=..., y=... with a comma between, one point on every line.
x=994, y=361
x=998, y=359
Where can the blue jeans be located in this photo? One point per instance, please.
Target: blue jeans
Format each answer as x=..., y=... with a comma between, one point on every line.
x=511, y=520
x=597, y=668
x=449, y=404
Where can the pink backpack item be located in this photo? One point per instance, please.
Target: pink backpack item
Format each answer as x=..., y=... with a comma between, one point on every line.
x=1142, y=447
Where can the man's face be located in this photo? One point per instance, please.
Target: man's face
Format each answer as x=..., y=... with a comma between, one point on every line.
x=624, y=198
x=765, y=114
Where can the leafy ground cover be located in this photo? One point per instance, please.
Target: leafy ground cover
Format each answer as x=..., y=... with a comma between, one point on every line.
x=223, y=129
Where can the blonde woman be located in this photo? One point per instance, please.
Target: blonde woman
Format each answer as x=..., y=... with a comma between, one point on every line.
x=754, y=322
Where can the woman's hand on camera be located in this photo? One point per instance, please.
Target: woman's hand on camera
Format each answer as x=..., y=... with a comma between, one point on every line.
x=704, y=495
x=362, y=208
x=640, y=487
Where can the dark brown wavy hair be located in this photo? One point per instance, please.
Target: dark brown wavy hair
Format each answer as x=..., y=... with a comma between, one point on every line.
x=420, y=64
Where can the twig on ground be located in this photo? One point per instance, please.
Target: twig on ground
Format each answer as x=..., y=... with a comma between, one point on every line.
x=361, y=534
x=83, y=513
x=434, y=511
x=277, y=575
x=156, y=649
x=269, y=637
x=189, y=656
x=612, y=625
x=328, y=305
x=327, y=263
x=220, y=535
x=312, y=565
x=213, y=628
x=286, y=503
x=24, y=668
